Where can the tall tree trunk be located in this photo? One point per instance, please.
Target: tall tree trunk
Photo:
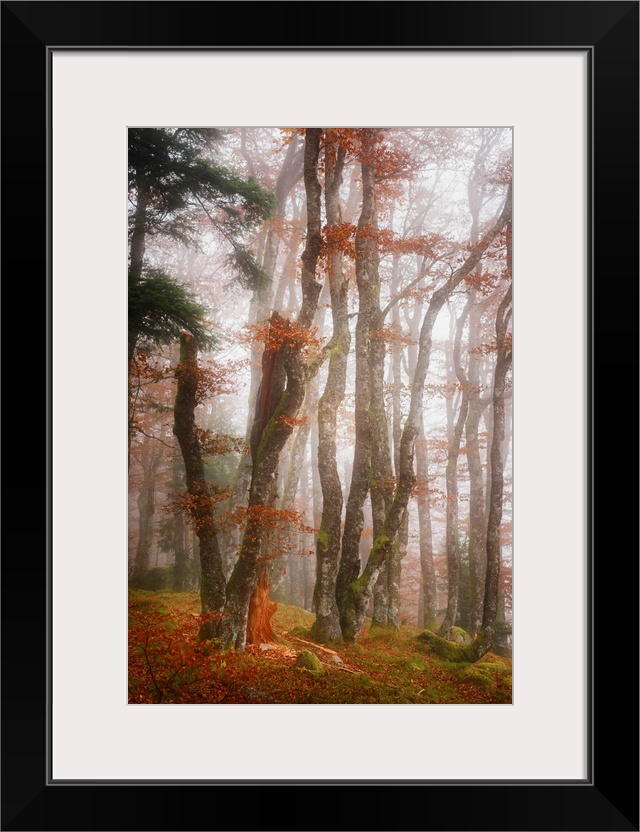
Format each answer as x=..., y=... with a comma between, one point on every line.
x=136, y=250
x=278, y=426
x=366, y=278
x=427, y=568
x=212, y=580
x=386, y=594
x=136, y=259
x=326, y=627
x=477, y=516
x=381, y=470
x=259, y=311
x=150, y=461
x=453, y=554
x=306, y=543
x=286, y=555
x=477, y=523
x=181, y=565
x=503, y=362
x=359, y=591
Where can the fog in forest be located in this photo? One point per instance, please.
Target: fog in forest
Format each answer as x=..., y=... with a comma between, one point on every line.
x=320, y=413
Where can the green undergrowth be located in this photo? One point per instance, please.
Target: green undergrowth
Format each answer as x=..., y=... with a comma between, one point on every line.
x=385, y=666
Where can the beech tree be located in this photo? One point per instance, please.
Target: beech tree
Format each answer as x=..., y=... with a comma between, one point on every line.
x=327, y=624
x=359, y=592
x=286, y=340
x=336, y=446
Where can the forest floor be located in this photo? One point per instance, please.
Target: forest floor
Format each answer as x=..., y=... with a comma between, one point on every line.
x=167, y=665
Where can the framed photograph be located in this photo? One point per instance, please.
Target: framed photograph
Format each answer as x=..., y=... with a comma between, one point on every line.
x=562, y=78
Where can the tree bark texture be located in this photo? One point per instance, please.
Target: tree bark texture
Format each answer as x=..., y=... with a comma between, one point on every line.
x=150, y=461
x=359, y=591
x=453, y=554
x=261, y=612
x=494, y=522
x=477, y=518
x=366, y=266
x=279, y=426
x=285, y=555
x=326, y=627
x=258, y=314
x=427, y=567
x=212, y=581
x=181, y=564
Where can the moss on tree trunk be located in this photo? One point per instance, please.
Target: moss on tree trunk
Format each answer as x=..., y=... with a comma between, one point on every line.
x=212, y=580
x=278, y=428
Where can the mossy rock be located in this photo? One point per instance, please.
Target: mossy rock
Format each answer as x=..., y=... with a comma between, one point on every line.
x=299, y=630
x=310, y=662
x=443, y=649
x=460, y=636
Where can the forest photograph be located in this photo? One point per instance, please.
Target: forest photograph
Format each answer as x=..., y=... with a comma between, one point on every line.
x=320, y=415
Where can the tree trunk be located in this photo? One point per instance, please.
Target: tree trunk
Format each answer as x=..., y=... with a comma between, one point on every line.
x=261, y=612
x=453, y=554
x=381, y=470
x=427, y=568
x=296, y=461
x=258, y=315
x=136, y=259
x=278, y=427
x=359, y=591
x=181, y=565
x=150, y=461
x=477, y=516
x=212, y=580
x=485, y=638
x=306, y=543
x=366, y=277
x=494, y=522
x=391, y=575
x=477, y=521
x=326, y=627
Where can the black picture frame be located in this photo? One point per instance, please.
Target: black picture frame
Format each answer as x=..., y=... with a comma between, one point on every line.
x=608, y=798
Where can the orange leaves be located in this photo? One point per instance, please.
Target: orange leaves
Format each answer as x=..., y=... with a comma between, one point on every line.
x=280, y=332
x=149, y=368
x=287, y=135
x=393, y=336
x=292, y=421
x=270, y=518
x=198, y=505
x=215, y=444
x=340, y=238
x=211, y=378
x=166, y=662
x=388, y=161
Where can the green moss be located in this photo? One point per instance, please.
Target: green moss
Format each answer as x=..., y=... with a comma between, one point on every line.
x=503, y=697
x=270, y=427
x=300, y=631
x=460, y=636
x=411, y=665
x=479, y=678
x=323, y=537
x=443, y=649
x=381, y=541
x=309, y=662
x=492, y=667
